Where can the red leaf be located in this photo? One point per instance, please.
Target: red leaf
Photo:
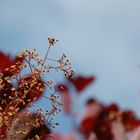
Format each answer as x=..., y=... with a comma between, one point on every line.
x=100, y=122
x=112, y=108
x=34, y=91
x=66, y=97
x=3, y=130
x=102, y=127
x=5, y=95
x=7, y=63
x=87, y=125
x=130, y=120
x=81, y=82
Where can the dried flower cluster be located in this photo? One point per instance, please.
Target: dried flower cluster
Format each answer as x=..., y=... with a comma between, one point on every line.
x=22, y=82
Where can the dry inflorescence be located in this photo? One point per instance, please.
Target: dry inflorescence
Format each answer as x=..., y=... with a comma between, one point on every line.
x=21, y=84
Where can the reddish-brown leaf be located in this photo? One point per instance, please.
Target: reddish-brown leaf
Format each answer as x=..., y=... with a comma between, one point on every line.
x=7, y=63
x=65, y=96
x=129, y=120
x=112, y=108
x=87, y=125
x=81, y=82
x=33, y=93
x=100, y=122
x=6, y=95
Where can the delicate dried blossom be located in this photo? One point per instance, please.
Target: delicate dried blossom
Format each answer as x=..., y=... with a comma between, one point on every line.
x=1, y=82
x=31, y=83
x=52, y=41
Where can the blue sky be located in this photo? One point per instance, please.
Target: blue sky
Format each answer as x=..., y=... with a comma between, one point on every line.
x=102, y=38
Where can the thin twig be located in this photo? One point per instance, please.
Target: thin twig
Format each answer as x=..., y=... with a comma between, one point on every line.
x=29, y=65
x=52, y=60
x=46, y=55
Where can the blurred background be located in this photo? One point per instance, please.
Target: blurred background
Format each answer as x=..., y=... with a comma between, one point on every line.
x=101, y=37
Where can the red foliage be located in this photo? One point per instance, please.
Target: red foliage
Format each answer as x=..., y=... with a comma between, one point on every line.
x=6, y=68
x=32, y=92
x=101, y=124
x=129, y=120
x=7, y=63
x=87, y=125
x=81, y=82
x=6, y=95
x=63, y=89
x=9, y=105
